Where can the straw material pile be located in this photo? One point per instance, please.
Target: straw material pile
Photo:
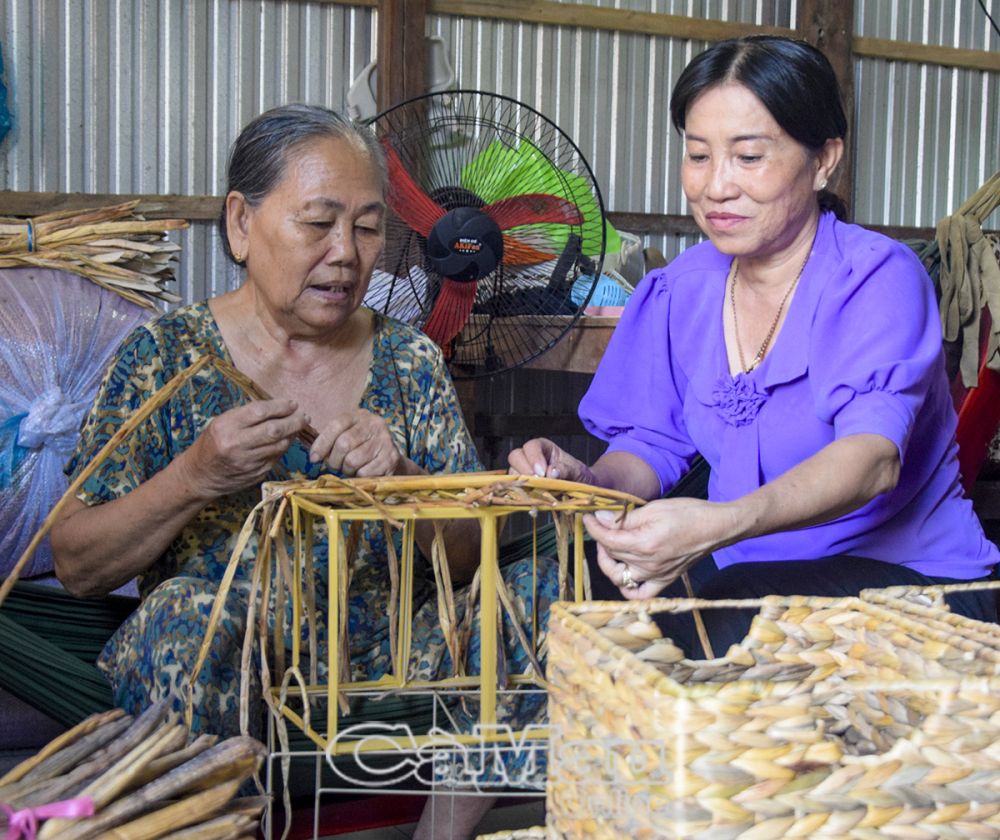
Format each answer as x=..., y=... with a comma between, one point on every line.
x=834, y=718
x=146, y=778
x=114, y=247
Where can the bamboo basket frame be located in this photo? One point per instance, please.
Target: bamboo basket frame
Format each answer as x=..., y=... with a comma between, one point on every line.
x=401, y=502
x=726, y=750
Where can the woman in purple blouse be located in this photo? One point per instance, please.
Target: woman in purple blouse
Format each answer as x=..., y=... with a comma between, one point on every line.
x=799, y=355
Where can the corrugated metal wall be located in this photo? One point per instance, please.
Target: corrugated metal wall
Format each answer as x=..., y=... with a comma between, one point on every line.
x=145, y=96
x=928, y=136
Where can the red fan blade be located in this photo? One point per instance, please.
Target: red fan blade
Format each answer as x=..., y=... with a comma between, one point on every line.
x=533, y=209
x=451, y=310
x=516, y=252
x=408, y=201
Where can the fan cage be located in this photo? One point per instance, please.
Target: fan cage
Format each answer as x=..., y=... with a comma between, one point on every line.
x=469, y=148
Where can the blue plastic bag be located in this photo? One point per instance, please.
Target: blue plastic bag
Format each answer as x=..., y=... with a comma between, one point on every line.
x=5, y=118
x=58, y=333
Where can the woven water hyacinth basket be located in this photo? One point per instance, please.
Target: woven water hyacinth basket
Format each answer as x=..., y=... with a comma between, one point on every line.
x=834, y=718
x=927, y=605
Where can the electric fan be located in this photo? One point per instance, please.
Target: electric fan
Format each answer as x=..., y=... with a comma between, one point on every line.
x=496, y=232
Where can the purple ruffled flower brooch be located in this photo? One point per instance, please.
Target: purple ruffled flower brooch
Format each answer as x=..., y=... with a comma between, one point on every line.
x=738, y=400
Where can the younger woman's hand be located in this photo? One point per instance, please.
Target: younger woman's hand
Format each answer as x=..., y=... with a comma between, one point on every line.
x=646, y=550
x=541, y=457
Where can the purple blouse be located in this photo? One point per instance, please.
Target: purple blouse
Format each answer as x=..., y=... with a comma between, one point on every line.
x=859, y=352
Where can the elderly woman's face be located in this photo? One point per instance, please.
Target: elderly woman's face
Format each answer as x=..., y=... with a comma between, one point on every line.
x=313, y=241
x=751, y=186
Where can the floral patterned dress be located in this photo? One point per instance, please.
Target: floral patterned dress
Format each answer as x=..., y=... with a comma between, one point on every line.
x=151, y=655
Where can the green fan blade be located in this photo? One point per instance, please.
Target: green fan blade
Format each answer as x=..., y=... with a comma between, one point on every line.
x=501, y=171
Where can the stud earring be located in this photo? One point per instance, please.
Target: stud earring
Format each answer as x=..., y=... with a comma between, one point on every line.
x=238, y=256
x=822, y=185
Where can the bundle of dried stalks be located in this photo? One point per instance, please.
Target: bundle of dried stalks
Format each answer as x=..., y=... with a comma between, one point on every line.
x=114, y=247
x=146, y=777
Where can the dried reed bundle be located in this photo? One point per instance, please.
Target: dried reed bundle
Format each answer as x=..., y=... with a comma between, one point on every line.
x=114, y=247
x=145, y=777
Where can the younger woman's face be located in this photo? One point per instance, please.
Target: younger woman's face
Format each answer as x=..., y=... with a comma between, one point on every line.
x=751, y=186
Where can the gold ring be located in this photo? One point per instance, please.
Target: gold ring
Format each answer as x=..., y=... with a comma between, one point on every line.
x=627, y=581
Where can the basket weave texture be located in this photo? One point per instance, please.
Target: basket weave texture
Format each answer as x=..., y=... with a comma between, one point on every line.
x=834, y=718
x=927, y=605
x=536, y=833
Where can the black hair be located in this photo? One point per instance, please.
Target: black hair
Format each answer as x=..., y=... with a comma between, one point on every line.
x=793, y=79
x=258, y=157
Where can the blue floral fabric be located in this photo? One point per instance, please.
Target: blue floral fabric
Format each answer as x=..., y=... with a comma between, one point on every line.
x=152, y=654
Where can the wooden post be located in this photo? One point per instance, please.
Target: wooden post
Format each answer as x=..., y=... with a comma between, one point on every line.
x=402, y=50
x=829, y=26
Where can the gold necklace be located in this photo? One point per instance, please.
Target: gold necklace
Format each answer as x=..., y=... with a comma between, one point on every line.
x=774, y=324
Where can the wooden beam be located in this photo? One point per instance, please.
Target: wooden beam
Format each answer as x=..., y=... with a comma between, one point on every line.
x=829, y=25
x=402, y=51
x=927, y=54
x=202, y=208
x=657, y=223
x=696, y=29
x=596, y=17
x=194, y=208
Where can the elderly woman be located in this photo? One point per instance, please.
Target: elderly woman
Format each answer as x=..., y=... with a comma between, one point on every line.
x=303, y=217
x=800, y=355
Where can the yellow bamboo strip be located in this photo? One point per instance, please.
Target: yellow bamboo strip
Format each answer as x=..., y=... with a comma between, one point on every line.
x=534, y=582
x=303, y=544
x=335, y=560
x=579, y=560
x=488, y=621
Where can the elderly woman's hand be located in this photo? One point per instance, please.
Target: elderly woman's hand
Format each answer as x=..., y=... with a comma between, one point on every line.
x=359, y=443
x=238, y=448
x=652, y=545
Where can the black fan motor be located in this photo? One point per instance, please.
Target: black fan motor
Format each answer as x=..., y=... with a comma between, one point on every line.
x=465, y=244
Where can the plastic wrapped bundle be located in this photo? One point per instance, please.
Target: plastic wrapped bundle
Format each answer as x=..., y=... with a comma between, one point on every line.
x=58, y=332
